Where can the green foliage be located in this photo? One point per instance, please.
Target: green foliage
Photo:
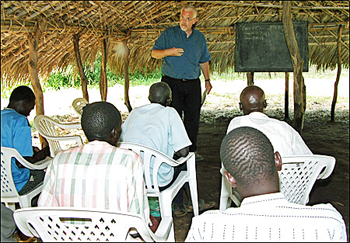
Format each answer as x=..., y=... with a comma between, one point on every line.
x=61, y=79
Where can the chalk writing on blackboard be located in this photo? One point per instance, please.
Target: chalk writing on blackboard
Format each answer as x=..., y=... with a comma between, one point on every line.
x=262, y=47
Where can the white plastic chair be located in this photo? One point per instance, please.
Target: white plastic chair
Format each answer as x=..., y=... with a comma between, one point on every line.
x=78, y=105
x=83, y=224
x=47, y=128
x=166, y=196
x=9, y=194
x=297, y=177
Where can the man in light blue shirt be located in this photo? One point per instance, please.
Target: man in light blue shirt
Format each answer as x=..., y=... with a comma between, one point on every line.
x=158, y=126
x=184, y=54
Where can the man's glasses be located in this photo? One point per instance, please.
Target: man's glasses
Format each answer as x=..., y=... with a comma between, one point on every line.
x=186, y=19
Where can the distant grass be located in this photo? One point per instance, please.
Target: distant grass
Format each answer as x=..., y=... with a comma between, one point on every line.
x=65, y=79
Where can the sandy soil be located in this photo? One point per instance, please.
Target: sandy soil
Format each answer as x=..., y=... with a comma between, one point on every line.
x=322, y=136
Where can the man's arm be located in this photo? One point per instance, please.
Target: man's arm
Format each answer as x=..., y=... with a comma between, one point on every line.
x=38, y=155
x=205, y=69
x=159, y=54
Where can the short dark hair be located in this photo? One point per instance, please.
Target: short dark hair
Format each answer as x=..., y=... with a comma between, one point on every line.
x=99, y=119
x=159, y=92
x=248, y=155
x=22, y=93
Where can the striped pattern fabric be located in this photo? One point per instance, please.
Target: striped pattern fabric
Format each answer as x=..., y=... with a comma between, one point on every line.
x=96, y=175
x=269, y=217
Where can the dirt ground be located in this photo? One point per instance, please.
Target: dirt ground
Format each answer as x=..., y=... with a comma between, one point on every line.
x=322, y=137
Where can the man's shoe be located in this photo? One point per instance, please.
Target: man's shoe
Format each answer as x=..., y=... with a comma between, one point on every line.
x=198, y=157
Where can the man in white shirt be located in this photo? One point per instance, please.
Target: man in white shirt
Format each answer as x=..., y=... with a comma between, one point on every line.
x=284, y=138
x=159, y=126
x=265, y=215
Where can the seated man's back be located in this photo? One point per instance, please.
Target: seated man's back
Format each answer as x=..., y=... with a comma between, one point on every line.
x=284, y=138
x=97, y=174
x=158, y=126
x=265, y=214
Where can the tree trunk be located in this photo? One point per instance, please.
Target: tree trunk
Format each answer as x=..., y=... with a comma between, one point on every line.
x=286, y=96
x=250, y=78
x=299, y=86
x=83, y=78
x=103, y=76
x=33, y=41
x=126, y=76
x=335, y=95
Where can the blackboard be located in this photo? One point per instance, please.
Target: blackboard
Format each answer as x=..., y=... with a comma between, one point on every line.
x=262, y=47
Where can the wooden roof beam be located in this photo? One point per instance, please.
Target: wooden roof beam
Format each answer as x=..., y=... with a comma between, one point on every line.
x=262, y=5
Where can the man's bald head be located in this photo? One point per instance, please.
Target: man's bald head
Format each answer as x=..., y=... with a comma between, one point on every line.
x=252, y=98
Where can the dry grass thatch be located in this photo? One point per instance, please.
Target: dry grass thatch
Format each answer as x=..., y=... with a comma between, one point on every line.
x=141, y=22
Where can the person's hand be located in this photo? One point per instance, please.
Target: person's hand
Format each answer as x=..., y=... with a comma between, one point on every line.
x=177, y=52
x=208, y=86
x=35, y=149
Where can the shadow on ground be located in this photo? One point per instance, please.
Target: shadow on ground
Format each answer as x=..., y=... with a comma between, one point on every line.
x=322, y=137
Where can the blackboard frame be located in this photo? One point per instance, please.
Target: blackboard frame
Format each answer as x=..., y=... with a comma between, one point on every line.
x=262, y=47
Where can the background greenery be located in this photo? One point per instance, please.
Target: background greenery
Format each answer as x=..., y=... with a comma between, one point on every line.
x=67, y=78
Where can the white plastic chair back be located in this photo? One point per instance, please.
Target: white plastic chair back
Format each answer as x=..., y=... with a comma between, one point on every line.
x=297, y=177
x=299, y=174
x=82, y=224
x=9, y=194
x=48, y=128
x=166, y=197
x=78, y=105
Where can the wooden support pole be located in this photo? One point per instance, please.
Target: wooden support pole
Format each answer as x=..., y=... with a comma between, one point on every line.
x=250, y=78
x=286, y=96
x=33, y=41
x=299, y=86
x=83, y=78
x=126, y=76
x=335, y=95
x=103, y=75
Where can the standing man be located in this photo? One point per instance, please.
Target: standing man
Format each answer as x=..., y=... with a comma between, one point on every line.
x=184, y=52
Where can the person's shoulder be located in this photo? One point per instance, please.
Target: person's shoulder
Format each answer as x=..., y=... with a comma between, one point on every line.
x=172, y=29
x=198, y=32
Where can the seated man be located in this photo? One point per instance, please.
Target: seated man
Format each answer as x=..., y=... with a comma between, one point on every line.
x=97, y=174
x=284, y=138
x=264, y=215
x=159, y=126
x=16, y=133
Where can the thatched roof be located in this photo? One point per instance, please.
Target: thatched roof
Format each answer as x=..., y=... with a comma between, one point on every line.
x=141, y=22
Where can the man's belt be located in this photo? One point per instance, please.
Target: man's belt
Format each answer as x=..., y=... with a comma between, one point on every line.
x=181, y=79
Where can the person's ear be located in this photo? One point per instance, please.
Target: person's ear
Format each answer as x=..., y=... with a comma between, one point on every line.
x=240, y=106
x=194, y=21
x=231, y=180
x=115, y=135
x=168, y=101
x=278, y=161
x=264, y=104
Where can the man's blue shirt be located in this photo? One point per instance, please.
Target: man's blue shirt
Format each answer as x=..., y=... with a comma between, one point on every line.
x=195, y=52
x=16, y=133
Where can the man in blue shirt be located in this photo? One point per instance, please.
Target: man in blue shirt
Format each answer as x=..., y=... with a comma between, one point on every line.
x=184, y=53
x=16, y=133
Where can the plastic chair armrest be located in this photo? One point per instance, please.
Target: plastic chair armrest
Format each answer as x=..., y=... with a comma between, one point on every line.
x=39, y=165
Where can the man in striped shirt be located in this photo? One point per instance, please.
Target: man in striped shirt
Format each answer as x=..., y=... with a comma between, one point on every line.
x=97, y=174
x=265, y=214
